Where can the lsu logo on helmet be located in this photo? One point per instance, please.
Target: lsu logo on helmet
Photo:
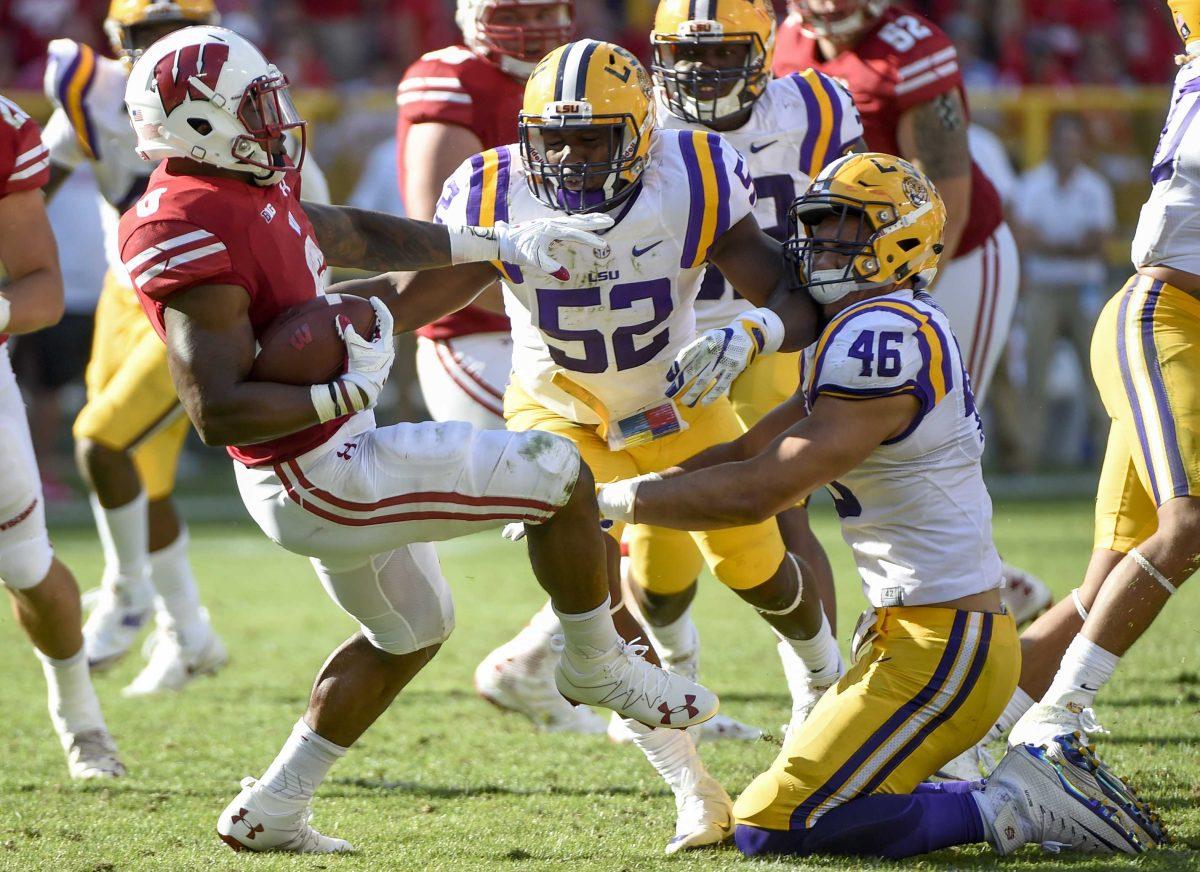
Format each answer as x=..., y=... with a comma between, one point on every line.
x=712, y=58
x=584, y=89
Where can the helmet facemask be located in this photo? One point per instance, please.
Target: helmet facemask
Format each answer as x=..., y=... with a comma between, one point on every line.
x=520, y=44
x=853, y=241
x=699, y=92
x=837, y=25
x=266, y=112
x=571, y=186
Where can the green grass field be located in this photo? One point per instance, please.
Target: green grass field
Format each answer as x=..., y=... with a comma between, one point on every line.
x=443, y=781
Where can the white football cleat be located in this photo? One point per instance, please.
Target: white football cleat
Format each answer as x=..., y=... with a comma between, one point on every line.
x=623, y=680
x=244, y=826
x=115, y=622
x=703, y=816
x=806, y=692
x=1044, y=723
x=972, y=764
x=518, y=677
x=1025, y=596
x=718, y=727
x=92, y=754
x=170, y=668
x=1034, y=802
x=1086, y=771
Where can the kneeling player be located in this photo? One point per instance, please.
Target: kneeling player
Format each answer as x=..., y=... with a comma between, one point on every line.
x=217, y=248
x=885, y=408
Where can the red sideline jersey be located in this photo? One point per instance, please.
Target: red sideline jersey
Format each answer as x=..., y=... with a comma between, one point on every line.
x=191, y=230
x=24, y=161
x=900, y=62
x=456, y=86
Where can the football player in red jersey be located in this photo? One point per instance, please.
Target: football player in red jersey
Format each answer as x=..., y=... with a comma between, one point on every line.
x=44, y=594
x=217, y=248
x=902, y=71
x=453, y=103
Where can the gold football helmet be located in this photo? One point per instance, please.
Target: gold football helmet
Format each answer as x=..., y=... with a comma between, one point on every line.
x=890, y=224
x=1186, y=15
x=125, y=15
x=586, y=89
x=712, y=59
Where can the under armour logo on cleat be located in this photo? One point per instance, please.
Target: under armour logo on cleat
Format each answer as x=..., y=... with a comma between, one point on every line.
x=668, y=712
x=254, y=829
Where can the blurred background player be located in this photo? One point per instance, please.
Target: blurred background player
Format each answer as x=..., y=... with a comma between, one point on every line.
x=711, y=67
x=44, y=595
x=903, y=73
x=453, y=103
x=129, y=435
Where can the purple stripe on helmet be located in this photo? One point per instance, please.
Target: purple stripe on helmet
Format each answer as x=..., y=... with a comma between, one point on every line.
x=813, y=112
x=1179, y=479
x=972, y=678
x=475, y=197
x=714, y=145
x=885, y=732
x=1127, y=381
x=691, y=241
x=835, y=135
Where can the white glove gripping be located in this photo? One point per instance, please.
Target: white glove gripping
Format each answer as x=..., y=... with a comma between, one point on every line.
x=5, y=312
x=616, y=500
x=369, y=362
x=528, y=243
x=707, y=366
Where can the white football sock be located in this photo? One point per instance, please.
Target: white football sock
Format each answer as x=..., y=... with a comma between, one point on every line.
x=71, y=698
x=1020, y=703
x=292, y=779
x=678, y=640
x=672, y=753
x=179, y=600
x=125, y=541
x=819, y=654
x=1085, y=668
x=588, y=634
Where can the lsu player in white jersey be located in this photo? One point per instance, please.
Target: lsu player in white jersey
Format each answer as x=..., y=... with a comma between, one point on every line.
x=589, y=358
x=130, y=432
x=885, y=419
x=711, y=69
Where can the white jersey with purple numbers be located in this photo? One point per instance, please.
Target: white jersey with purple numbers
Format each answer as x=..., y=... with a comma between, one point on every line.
x=1168, y=231
x=916, y=512
x=615, y=326
x=801, y=123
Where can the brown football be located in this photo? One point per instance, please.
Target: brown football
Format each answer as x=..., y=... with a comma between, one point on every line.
x=302, y=346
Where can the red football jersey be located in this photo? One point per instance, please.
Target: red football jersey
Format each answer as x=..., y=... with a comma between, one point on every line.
x=456, y=86
x=189, y=230
x=903, y=60
x=24, y=161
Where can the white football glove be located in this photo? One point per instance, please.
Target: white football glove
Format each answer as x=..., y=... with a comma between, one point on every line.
x=528, y=243
x=369, y=362
x=707, y=366
x=616, y=500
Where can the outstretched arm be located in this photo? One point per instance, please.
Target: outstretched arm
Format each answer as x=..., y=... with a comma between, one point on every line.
x=362, y=239
x=419, y=298
x=834, y=439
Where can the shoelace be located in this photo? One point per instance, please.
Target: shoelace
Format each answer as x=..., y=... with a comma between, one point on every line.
x=1089, y=724
x=650, y=683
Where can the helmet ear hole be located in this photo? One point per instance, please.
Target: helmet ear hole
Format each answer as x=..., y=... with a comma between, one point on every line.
x=907, y=244
x=200, y=125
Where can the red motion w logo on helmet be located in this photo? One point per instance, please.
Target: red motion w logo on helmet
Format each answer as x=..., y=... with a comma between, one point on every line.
x=173, y=73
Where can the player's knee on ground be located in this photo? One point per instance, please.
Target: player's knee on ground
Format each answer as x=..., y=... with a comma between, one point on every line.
x=400, y=599
x=26, y=562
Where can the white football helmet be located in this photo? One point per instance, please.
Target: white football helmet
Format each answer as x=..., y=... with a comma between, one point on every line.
x=208, y=94
x=495, y=30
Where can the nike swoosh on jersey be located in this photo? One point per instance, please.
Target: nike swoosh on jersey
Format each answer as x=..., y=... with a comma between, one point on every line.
x=756, y=147
x=638, y=252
